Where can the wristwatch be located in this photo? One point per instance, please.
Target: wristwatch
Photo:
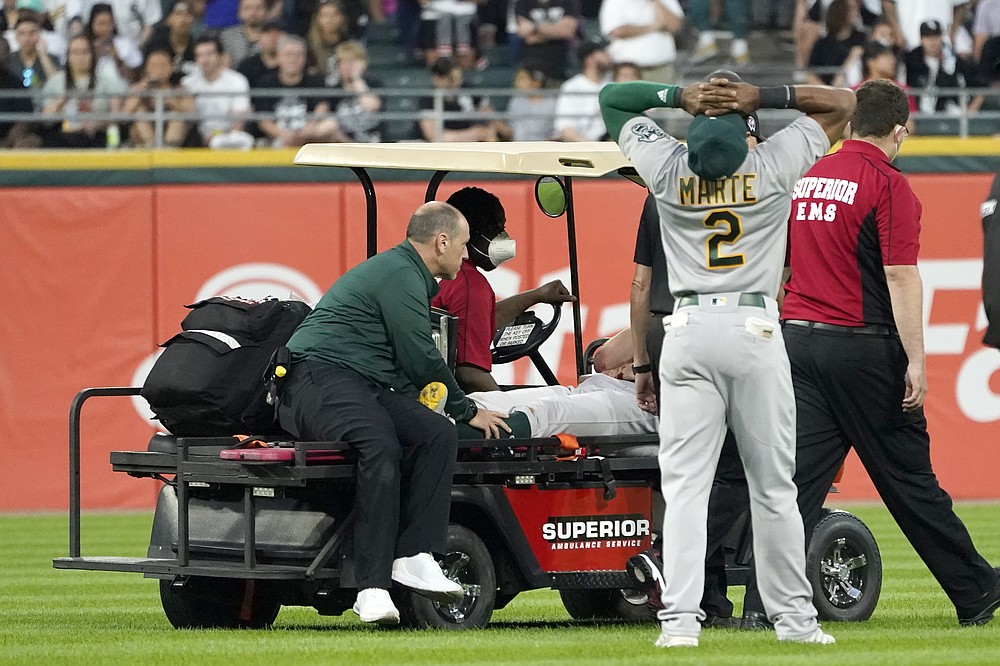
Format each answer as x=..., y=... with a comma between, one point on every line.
x=470, y=412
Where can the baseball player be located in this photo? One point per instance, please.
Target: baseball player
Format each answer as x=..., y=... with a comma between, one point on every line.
x=723, y=212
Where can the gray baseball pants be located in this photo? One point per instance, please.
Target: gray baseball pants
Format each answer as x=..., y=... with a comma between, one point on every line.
x=725, y=362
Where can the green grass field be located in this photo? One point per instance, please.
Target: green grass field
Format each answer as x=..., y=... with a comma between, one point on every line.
x=74, y=617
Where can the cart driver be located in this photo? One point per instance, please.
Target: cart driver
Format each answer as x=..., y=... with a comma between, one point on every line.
x=471, y=298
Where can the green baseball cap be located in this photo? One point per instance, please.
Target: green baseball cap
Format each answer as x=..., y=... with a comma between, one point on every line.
x=717, y=145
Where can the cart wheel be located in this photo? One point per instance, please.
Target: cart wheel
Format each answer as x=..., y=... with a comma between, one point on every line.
x=468, y=562
x=844, y=567
x=218, y=603
x=599, y=604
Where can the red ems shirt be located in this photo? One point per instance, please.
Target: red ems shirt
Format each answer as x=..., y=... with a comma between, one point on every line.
x=470, y=298
x=852, y=214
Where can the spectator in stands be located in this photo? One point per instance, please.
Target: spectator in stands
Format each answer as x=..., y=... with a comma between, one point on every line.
x=81, y=88
x=174, y=35
x=841, y=49
x=114, y=52
x=297, y=14
x=299, y=117
x=879, y=62
x=809, y=20
x=446, y=76
x=642, y=33
x=933, y=64
x=328, y=29
x=357, y=113
x=31, y=60
x=265, y=60
x=626, y=71
x=547, y=29
x=985, y=27
x=52, y=41
x=578, y=114
x=158, y=75
x=531, y=113
x=446, y=31
x=736, y=18
x=221, y=96
x=14, y=134
x=949, y=13
x=136, y=19
x=240, y=41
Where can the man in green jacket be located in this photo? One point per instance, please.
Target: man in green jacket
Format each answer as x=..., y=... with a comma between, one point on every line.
x=359, y=361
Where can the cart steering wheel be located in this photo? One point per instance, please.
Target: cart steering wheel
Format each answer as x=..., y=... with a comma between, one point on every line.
x=523, y=336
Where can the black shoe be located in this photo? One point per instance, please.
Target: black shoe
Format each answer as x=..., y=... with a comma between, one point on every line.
x=720, y=622
x=755, y=621
x=990, y=604
x=646, y=569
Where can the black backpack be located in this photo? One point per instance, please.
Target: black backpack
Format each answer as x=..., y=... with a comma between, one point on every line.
x=209, y=381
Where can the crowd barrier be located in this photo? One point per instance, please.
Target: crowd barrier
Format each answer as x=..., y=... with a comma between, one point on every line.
x=101, y=252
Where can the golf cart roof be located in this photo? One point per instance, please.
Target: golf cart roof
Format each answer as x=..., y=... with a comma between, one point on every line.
x=590, y=159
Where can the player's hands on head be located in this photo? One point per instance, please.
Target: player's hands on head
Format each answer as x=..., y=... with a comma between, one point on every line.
x=490, y=422
x=721, y=96
x=555, y=292
x=916, y=387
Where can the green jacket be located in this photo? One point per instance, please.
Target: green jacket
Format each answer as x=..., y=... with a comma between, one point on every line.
x=375, y=320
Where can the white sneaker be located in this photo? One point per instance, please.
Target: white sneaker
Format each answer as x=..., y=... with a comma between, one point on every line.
x=422, y=574
x=817, y=636
x=375, y=605
x=665, y=641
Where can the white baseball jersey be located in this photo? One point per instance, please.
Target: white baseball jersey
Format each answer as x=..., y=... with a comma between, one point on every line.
x=727, y=235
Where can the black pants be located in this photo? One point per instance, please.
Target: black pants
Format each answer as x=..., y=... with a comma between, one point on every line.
x=406, y=460
x=849, y=391
x=728, y=500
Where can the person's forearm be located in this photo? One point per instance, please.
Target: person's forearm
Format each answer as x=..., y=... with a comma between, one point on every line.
x=564, y=28
x=621, y=102
x=639, y=313
x=509, y=308
x=473, y=379
x=615, y=353
x=628, y=31
x=270, y=128
x=906, y=293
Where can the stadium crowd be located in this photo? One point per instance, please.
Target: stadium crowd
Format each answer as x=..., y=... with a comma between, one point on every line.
x=245, y=73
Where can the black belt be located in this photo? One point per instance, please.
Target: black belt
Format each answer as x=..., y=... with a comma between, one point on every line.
x=868, y=329
x=748, y=299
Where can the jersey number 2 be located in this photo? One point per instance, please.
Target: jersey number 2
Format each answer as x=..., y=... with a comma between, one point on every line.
x=730, y=232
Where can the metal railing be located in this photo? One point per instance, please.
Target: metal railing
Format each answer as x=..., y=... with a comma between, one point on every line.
x=402, y=106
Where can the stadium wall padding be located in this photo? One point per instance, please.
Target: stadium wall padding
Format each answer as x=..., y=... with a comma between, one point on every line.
x=97, y=267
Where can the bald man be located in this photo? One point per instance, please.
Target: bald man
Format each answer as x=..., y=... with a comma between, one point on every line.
x=359, y=361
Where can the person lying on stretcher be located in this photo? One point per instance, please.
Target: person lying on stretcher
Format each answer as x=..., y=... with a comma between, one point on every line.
x=602, y=404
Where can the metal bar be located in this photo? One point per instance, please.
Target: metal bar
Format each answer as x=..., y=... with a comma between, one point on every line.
x=75, y=409
x=183, y=550
x=249, y=528
x=574, y=275
x=432, y=186
x=543, y=368
x=371, y=208
x=329, y=547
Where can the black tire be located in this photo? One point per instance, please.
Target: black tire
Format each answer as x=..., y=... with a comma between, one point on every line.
x=219, y=603
x=844, y=567
x=468, y=562
x=603, y=604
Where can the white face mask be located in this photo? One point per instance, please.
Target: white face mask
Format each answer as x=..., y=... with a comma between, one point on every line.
x=502, y=248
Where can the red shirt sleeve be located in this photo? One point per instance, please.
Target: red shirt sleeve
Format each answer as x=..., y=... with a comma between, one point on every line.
x=471, y=298
x=898, y=219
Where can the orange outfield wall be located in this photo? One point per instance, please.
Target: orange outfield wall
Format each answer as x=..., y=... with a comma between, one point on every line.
x=96, y=277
